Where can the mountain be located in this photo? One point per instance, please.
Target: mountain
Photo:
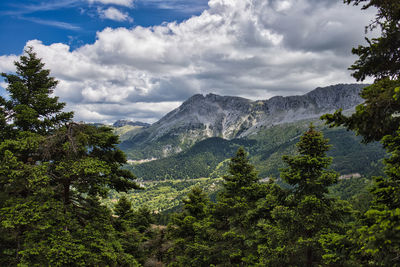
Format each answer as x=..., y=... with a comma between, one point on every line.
x=207, y=158
x=121, y=123
x=228, y=117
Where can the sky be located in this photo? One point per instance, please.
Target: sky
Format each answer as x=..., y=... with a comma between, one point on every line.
x=139, y=59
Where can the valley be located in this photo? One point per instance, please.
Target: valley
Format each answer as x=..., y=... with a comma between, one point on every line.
x=192, y=155
x=194, y=133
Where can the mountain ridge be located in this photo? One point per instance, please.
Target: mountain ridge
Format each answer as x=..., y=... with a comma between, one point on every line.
x=229, y=117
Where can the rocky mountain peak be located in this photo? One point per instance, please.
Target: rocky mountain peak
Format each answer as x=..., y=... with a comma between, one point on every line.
x=342, y=96
x=211, y=115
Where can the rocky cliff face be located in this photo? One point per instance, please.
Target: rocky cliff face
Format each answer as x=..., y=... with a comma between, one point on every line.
x=201, y=117
x=278, y=110
x=208, y=116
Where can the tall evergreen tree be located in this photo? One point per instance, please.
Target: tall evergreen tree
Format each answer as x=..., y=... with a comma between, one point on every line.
x=52, y=174
x=378, y=120
x=130, y=238
x=188, y=231
x=31, y=106
x=232, y=214
x=380, y=59
x=308, y=213
x=380, y=230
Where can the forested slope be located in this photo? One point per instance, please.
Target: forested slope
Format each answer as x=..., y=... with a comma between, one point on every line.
x=266, y=149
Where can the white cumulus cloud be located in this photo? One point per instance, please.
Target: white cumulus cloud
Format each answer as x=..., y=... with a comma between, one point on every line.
x=250, y=48
x=7, y=63
x=114, y=14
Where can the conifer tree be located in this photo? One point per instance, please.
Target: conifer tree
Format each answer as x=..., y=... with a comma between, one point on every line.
x=129, y=237
x=380, y=59
x=188, y=231
x=124, y=214
x=31, y=106
x=232, y=214
x=378, y=120
x=52, y=174
x=308, y=213
x=380, y=230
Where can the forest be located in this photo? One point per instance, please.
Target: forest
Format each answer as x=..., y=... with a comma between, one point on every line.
x=207, y=158
x=57, y=176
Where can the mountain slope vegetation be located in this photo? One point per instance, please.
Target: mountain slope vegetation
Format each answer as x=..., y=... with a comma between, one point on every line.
x=205, y=158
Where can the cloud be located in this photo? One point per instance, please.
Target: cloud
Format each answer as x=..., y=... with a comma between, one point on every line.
x=182, y=6
x=107, y=113
x=6, y=66
x=7, y=63
x=126, y=3
x=54, y=23
x=21, y=9
x=250, y=48
x=111, y=13
x=114, y=14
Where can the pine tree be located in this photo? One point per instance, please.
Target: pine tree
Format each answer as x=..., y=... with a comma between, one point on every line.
x=232, y=214
x=380, y=230
x=241, y=188
x=381, y=58
x=129, y=237
x=378, y=116
x=52, y=175
x=308, y=213
x=377, y=120
x=31, y=106
x=124, y=214
x=188, y=231
x=268, y=233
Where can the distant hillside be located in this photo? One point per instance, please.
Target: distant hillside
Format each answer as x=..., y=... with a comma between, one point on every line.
x=121, y=123
x=228, y=117
x=208, y=157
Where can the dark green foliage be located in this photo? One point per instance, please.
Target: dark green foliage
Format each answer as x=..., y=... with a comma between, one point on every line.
x=31, y=108
x=124, y=214
x=308, y=214
x=356, y=191
x=255, y=223
x=307, y=172
x=86, y=158
x=133, y=229
x=232, y=217
x=206, y=158
x=188, y=229
x=377, y=234
x=200, y=161
x=381, y=58
x=350, y=156
x=347, y=189
x=242, y=177
x=143, y=219
x=52, y=175
x=195, y=203
x=380, y=233
x=223, y=233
